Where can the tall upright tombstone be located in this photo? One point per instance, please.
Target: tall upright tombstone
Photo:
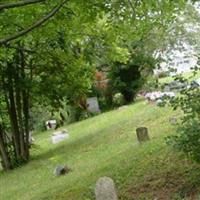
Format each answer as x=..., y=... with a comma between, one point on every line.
x=93, y=105
x=142, y=134
x=105, y=189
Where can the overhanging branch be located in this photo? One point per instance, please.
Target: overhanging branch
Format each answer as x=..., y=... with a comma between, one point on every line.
x=34, y=25
x=19, y=4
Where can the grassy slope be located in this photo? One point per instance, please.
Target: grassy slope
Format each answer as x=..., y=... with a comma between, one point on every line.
x=106, y=146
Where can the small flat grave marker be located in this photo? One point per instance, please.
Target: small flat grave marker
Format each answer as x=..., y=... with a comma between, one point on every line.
x=59, y=136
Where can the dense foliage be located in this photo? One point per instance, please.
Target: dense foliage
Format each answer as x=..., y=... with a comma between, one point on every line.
x=129, y=78
x=187, y=138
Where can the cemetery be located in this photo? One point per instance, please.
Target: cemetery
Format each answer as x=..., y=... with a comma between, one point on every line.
x=99, y=100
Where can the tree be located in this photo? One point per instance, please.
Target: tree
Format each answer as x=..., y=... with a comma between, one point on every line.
x=130, y=77
x=17, y=80
x=36, y=24
x=143, y=30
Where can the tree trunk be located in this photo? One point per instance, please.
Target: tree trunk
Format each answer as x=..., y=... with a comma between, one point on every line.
x=25, y=108
x=14, y=122
x=26, y=121
x=20, y=101
x=16, y=93
x=6, y=162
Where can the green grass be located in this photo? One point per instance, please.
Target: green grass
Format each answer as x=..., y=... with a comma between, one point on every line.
x=106, y=145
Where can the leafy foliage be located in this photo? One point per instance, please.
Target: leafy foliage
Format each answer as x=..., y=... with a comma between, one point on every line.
x=188, y=137
x=129, y=78
x=118, y=99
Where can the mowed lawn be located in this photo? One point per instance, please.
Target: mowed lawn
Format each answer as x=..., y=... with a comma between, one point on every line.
x=106, y=145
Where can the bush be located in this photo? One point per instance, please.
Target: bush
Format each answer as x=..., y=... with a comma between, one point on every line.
x=39, y=115
x=118, y=99
x=65, y=115
x=188, y=137
x=128, y=78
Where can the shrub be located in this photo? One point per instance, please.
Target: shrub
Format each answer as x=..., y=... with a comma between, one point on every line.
x=118, y=99
x=128, y=78
x=188, y=137
x=39, y=115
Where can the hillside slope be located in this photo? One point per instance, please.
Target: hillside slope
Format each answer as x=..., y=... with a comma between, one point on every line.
x=106, y=145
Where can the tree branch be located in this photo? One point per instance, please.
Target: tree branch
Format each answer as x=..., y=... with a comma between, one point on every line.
x=19, y=4
x=34, y=25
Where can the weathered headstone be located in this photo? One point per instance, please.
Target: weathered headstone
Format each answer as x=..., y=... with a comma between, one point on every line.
x=93, y=105
x=61, y=170
x=59, y=136
x=142, y=134
x=105, y=189
x=51, y=124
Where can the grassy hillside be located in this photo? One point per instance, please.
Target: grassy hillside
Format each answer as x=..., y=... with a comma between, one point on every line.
x=106, y=145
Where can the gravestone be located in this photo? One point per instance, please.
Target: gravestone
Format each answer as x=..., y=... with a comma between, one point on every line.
x=142, y=134
x=51, y=124
x=59, y=136
x=105, y=189
x=93, y=105
x=61, y=170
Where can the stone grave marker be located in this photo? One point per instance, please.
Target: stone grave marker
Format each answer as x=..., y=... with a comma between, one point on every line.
x=142, y=134
x=93, y=105
x=105, y=189
x=51, y=124
x=59, y=136
x=61, y=170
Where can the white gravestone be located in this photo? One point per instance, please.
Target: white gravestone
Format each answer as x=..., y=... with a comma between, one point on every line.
x=93, y=105
x=51, y=124
x=59, y=136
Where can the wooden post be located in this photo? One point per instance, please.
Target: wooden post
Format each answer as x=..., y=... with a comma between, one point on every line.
x=142, y=134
